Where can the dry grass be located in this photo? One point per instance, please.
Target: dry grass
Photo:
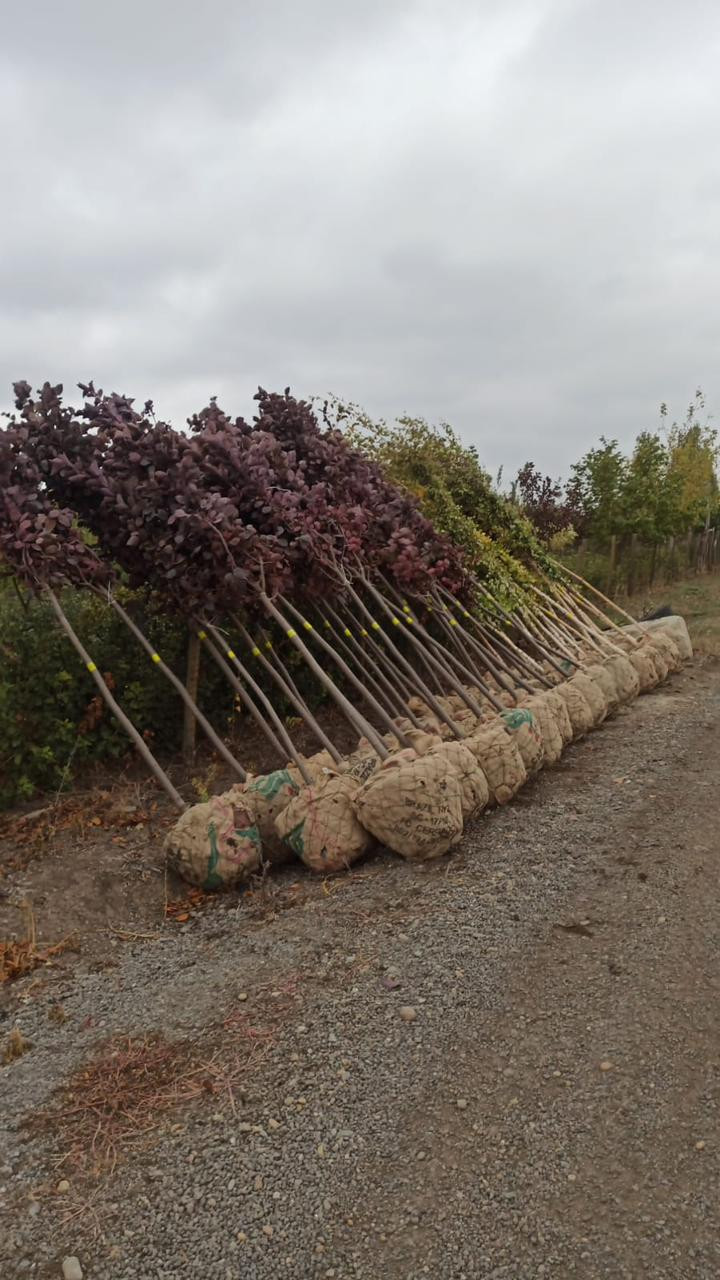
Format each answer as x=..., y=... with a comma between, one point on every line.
x=14, y=1047
x=19, y=958
x=133, y=1085
x=697, y=599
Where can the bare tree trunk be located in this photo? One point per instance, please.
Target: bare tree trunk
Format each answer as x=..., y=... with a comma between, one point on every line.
x=138, y=741
x=356, y=719
x=191, y=709
x=192, y=684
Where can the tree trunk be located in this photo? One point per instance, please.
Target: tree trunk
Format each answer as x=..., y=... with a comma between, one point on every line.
x=192, y=681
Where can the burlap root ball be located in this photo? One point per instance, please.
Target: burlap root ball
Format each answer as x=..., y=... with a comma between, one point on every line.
x=320, y=825
x=499, y=758
x=265, y=797
x=592, y=694
x=545, y=715
x=603, y=677
x=581, y=717
x=414, y=807
x=626, y=678
x=215, y=844
x=525, y=728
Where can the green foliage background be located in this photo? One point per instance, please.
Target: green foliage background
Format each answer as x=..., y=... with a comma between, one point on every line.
x=45, y=692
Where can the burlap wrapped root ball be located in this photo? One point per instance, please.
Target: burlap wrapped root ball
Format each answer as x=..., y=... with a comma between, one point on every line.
x=361, y=764
x=414, y=806
x=581, y=717
x=216, y=844
x=320, y=825
x=592, y=694
x=663, y=643
x=561, y=713
x=524, y=727
x=546, y=719
x=316, y=767
x=474, y=789
x=603, y=677
x=462, y=722
x=497, y=753
x=626, y=677
x=505, y=697
x=648, y=671
x=265, y=797
x=676, y=628
x=422, y=741
x=454, y=702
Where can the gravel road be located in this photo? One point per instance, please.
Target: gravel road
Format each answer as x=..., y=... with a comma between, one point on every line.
x=502, y=1066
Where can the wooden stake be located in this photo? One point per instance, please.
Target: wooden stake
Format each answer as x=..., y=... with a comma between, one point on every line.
x=192, y=711
x=600, y=596
x=347, y=671
x=123, y=720
x=280, y=732
x=355, y=717
x=291, y=693
x=192, y=682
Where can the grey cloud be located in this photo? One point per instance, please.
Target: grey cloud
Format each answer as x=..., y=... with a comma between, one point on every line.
x=502, y=215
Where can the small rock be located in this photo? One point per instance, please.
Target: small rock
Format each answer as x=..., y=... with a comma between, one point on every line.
x=273, y=1124
x=461, y=1104
x=241, y=1237
x=606, y=1065
x=268, y=1231
x=243, y=995
x=71, y=1269
x=700, y=1146
x=407, y=1013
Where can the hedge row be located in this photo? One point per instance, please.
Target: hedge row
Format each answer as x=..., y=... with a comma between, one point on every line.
x=52, y=723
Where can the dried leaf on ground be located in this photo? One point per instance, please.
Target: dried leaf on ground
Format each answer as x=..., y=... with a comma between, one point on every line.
x=180, y=909
x=19, y=958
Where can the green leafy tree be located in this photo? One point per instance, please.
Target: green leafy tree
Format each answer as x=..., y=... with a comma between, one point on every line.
x=650, y=498
x=454, y=490
x=693, y=454
x=596, y=487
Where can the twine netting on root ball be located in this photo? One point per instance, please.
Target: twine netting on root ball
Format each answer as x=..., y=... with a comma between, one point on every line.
x=311, y=579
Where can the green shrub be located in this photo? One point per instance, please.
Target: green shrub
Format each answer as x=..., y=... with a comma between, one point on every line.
x=51, y=719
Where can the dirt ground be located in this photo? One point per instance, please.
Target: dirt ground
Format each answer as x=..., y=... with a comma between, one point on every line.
x=501, y=1067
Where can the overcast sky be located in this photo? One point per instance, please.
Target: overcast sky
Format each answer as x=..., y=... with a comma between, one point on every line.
x=503, y=213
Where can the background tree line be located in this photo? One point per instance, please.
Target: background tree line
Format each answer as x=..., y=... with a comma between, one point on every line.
x=666, y=487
